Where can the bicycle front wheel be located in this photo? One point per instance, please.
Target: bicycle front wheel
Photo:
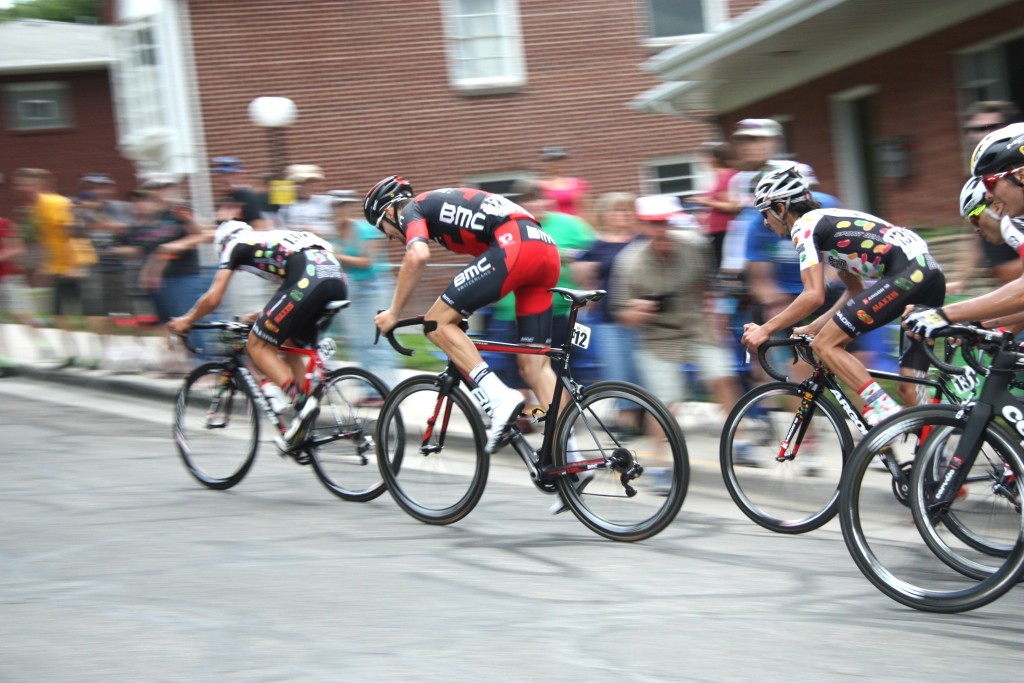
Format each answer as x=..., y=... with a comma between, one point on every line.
x=430, y=450
x=343, y=454
x=216, y=426
x=643, y=469
x=895, y=550
x=976, y=532
x=787, y=486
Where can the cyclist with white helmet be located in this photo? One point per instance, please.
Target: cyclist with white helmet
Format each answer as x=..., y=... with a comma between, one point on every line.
x=309, y=276
x=860, y=247
x=511, y=254
x=997, y=164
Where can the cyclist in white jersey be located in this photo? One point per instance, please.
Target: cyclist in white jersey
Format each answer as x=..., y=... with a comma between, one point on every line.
x=860, y=247
x=309, y=276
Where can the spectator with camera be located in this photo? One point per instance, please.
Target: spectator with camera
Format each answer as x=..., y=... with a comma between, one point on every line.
x=661, y=291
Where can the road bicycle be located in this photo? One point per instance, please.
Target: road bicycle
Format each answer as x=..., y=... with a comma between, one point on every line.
x=958, y=542
x=217, y=411
x=785, y=443
x=623, y=441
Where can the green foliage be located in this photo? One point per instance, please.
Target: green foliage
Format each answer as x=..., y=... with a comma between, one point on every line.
x=428, y=357
x=84, y=11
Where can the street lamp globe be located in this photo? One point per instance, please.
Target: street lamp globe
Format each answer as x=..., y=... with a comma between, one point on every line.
x=272, y=112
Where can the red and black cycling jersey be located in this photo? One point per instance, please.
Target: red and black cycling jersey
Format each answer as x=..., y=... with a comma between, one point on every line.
x=266, y=253
x=857, y=243
x=462, y=220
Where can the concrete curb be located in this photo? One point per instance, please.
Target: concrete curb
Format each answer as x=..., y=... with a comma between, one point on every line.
x=141, y=386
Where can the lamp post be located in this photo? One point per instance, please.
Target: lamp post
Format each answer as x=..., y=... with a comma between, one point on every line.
x=275, y=114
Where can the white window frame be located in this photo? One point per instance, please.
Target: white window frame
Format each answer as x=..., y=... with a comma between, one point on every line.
x=510, y=36
x=480, y=180
x=714, y=15
x=43, y=95
x=699, y=174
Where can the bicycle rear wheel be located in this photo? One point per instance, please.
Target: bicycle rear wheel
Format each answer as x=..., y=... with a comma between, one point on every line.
x=430, y=450
x=889, y=546
x=800, y=493
x=216, y=426
x=343, y=455
x=632, y=434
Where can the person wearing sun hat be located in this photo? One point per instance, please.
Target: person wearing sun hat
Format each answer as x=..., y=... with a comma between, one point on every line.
x=662, y=291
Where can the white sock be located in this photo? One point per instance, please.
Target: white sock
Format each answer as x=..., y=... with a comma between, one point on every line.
x=492, y=386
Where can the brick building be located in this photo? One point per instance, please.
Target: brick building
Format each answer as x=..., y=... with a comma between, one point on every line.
x=456, y=92
x=870, y=92
x=58, y=106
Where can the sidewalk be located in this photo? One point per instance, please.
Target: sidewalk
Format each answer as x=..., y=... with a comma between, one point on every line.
x=136, y=367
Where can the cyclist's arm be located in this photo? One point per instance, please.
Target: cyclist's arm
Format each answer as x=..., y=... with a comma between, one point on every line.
x=1006, y=300
x=206, y=304
x=806, y=302
x=417, y=255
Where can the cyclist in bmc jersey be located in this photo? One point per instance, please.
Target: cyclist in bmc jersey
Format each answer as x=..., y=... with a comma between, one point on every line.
x=310, y=277
x=512, y=254
x=860, y=247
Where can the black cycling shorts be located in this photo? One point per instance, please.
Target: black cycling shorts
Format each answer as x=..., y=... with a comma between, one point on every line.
x=312, y=279
x=922, y=282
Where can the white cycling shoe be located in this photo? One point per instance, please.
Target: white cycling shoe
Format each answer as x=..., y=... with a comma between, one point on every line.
x=502, y=416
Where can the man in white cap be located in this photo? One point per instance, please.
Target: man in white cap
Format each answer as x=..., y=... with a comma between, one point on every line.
x=311, y=211
x=661, y=285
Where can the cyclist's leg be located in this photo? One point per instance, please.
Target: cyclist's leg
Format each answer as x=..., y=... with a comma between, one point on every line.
x=481, y=283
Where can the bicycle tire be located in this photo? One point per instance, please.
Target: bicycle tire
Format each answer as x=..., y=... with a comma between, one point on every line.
x=217, y=442
x=604, y=505
x=983, y=521
x=437, y=474
x=350, y=403
x=794, y=496
x=886, y=542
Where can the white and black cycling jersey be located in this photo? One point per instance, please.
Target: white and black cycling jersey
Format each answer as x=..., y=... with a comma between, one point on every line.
x=857, y=243
x=266, y=253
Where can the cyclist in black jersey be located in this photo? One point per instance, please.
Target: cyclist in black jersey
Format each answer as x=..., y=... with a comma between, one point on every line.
x=860, y=247
x=310, y=277
x=998, y=165
x=511, y=254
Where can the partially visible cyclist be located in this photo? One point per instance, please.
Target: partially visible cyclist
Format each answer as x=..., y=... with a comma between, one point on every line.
x=309, y=276
x=860, y=247
x=998, y=164
x=512, y=254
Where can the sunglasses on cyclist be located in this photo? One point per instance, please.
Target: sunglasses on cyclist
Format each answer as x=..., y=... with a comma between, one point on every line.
x=991, y=179
x=976, y=212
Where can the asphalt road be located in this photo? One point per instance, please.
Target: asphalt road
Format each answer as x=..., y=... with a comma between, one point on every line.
x=118, y=566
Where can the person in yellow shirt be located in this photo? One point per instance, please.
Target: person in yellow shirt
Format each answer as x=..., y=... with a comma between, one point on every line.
x=47, y=222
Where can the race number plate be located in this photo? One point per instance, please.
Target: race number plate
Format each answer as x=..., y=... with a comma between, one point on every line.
x=581, y=336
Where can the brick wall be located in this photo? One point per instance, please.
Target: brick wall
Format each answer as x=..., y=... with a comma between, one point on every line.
x=88, y=145
x=917, y=98
x=370, y=83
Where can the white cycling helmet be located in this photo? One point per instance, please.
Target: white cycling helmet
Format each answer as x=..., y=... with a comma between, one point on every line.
x=226, y=233
x=972, y=198
x=780, y=185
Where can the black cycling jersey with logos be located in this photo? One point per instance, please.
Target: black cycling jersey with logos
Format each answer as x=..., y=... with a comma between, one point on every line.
x=266, y=253
x=857, y=243
x=462, y=220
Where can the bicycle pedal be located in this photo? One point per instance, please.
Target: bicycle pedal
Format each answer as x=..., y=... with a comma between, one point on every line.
x=537, y=414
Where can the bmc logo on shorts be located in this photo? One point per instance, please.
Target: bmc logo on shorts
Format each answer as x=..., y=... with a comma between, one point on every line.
x=472, y=272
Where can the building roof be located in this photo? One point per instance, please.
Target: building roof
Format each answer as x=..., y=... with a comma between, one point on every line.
x=784, y=43
x=34, y=45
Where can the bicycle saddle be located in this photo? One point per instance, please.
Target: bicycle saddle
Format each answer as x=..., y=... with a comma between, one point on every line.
x=579, y=296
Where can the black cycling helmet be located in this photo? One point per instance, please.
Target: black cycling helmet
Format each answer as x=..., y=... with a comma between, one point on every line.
x=999, y=151
x=382, y=195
